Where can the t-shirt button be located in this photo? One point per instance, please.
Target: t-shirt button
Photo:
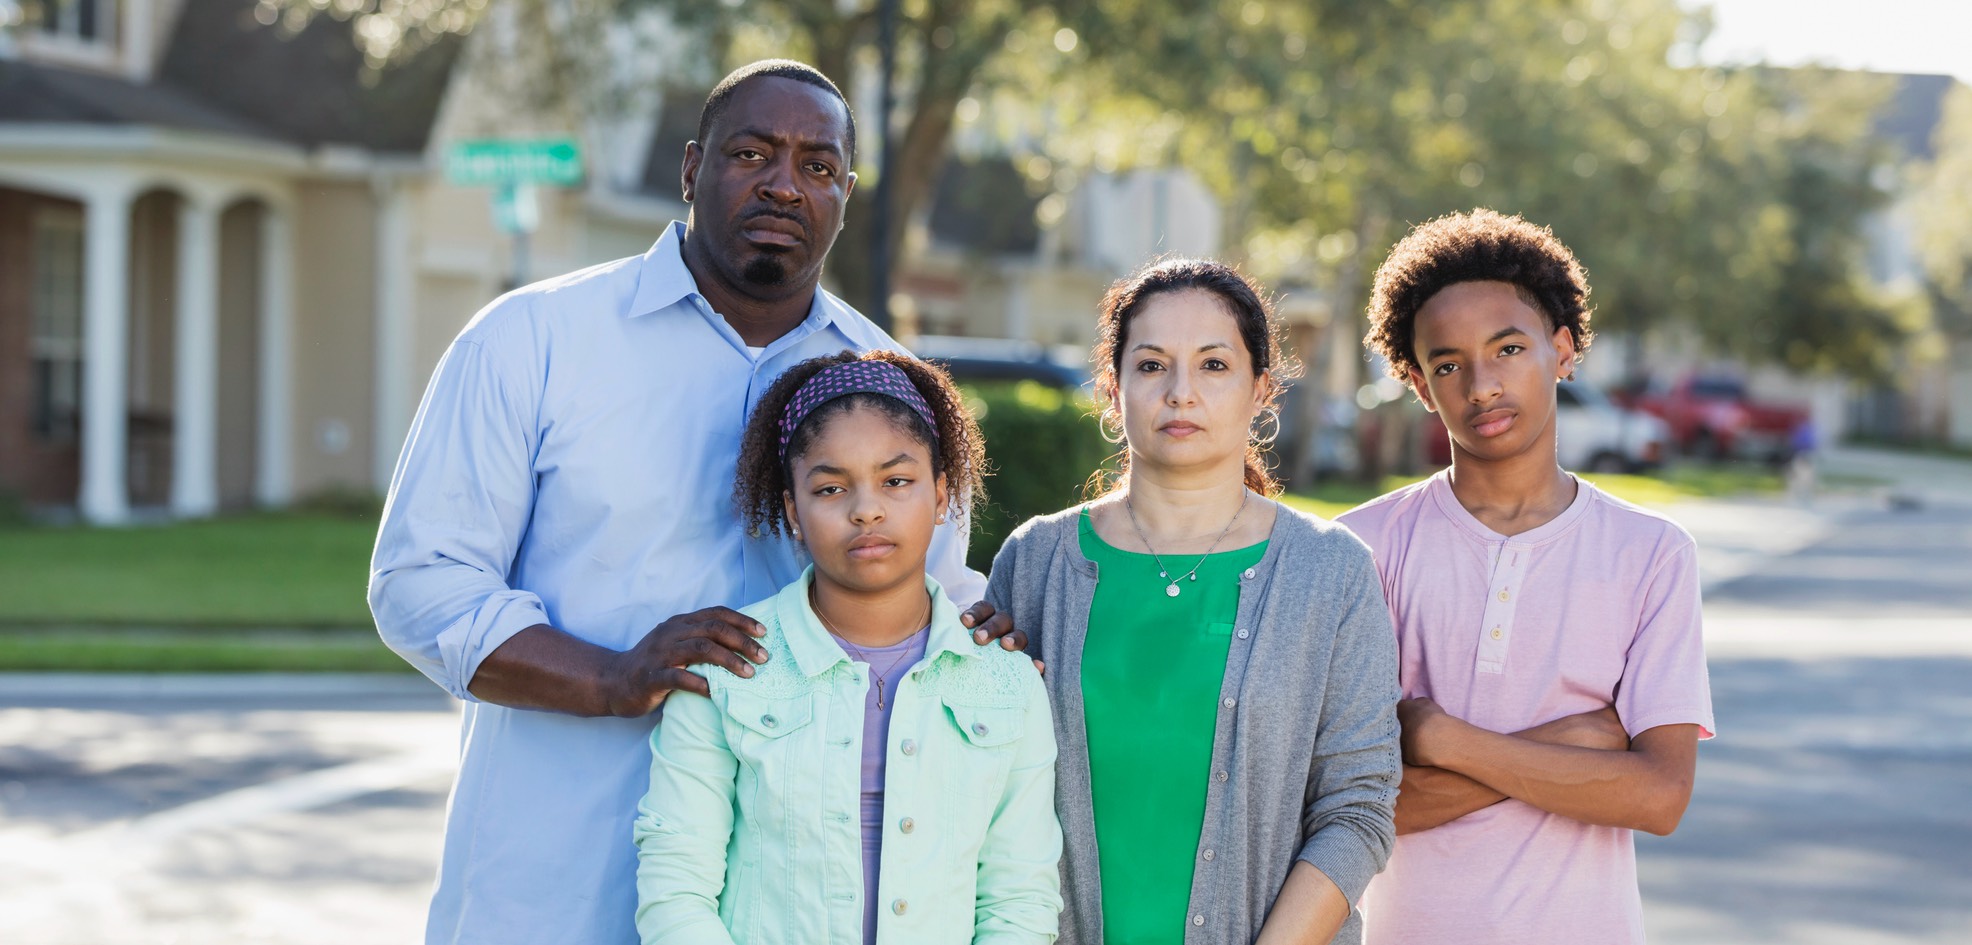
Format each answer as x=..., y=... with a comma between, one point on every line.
x=899, y=906
x=1198, y=919
x=1209, y=854
x=1249, y=574
x=909, y=747
x=1242, y=633
x=1503, y=594
x=1223, y=776
x=1496, y=633
x=907, y=825
x=1229, y=702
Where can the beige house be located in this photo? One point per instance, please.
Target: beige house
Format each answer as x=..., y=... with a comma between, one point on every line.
x=228, y=263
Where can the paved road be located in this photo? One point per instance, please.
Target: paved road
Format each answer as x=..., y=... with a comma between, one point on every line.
x=1832, y=808
x=219, y=810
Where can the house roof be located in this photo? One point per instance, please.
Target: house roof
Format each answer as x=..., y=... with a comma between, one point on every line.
x=32, y=93
x=308, y=89
x=224, y=73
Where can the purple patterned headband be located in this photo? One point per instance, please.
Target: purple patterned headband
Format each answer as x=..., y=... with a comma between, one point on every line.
x=853, y=377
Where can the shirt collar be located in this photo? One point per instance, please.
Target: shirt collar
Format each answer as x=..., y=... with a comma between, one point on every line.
x=815, y=650
x=664, y=281
x=1439, y=487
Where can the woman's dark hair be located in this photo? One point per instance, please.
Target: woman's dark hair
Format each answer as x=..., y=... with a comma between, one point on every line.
x=1481, y=246
x=1243, y=299
x=957, y=452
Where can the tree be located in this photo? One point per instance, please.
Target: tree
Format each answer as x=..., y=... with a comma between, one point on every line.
x=1943, y=205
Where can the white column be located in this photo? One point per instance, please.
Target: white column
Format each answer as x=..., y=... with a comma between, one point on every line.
x=274, y=482
x=395, y=332
x=105, y=492
x=195, y=398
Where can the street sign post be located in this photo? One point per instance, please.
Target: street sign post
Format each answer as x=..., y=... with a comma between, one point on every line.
x=514, y=168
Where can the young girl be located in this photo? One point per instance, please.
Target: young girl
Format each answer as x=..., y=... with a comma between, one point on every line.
x=878, y=734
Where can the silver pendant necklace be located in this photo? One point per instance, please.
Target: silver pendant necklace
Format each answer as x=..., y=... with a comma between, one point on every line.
x=1172, y=590
x=855, y=650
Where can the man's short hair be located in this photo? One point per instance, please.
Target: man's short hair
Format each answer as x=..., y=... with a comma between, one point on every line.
x=1481, y=246
x=722, y=94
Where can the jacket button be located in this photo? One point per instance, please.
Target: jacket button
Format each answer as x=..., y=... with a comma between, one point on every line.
x=909, y=747
x=907, y=825
x=979, y=728
x=1223, y=777
x=1198, y=919
x=1208, y=855
x=1230, y=702
x=899, y=906
x=769, y=721
x=1249, y=574
x=1242, y=633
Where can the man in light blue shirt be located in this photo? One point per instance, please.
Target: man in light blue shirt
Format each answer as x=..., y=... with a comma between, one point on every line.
x=567, y=487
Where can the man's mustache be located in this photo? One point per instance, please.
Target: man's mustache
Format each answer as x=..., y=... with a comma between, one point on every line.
x=776, y=214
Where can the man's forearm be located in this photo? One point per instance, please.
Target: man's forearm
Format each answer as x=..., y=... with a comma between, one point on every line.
x=544, y=668
x=1431, y=797
x=1644, y=788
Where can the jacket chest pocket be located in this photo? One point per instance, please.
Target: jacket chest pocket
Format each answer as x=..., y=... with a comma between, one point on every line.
x=772, y=736
x=982, y=744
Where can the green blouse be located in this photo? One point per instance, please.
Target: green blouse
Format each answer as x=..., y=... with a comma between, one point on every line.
x=1151, y=673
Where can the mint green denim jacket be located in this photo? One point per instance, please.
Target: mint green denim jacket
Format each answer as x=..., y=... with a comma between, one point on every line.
x=751, y=831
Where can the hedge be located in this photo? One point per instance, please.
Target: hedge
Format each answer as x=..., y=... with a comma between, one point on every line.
x=1041, y=445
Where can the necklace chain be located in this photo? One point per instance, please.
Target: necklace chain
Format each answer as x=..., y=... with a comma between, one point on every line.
x=1172, y=589
x=815, y=606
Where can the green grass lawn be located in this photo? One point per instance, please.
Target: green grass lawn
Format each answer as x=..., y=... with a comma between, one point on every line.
x=203, y=650
x=287, y=570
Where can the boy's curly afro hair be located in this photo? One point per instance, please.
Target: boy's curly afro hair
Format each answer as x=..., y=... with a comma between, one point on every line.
x=1481, y=246
x=957, y=452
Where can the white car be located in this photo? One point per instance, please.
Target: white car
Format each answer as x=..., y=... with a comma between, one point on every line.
x=1596, y=435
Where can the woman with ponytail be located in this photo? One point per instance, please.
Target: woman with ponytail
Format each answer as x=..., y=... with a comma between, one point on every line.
x=1222, y=668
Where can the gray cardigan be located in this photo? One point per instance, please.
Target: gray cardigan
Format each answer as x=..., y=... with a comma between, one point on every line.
x=1305, y=760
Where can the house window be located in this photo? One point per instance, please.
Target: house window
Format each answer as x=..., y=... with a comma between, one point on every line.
x=55, y=339
x=86, y=21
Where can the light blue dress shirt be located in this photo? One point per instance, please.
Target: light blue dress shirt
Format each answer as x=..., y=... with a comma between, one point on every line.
x=572, y=464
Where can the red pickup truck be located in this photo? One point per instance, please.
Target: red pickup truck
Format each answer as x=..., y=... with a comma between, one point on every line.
x=1711, y=416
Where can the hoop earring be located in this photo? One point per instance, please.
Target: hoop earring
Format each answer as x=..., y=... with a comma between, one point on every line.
x=1260, y=422
x=1108, y=415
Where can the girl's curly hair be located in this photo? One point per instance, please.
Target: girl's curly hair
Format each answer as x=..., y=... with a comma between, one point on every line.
x=1481, y=246
x=957, y=451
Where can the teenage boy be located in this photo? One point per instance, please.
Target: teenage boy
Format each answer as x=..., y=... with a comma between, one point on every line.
x=1531, y=609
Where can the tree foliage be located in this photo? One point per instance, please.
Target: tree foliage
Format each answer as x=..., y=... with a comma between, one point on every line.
x=1944, y=217
x=1727, y=201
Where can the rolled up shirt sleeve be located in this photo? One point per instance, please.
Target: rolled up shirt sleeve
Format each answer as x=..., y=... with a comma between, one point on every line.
x=459, y=505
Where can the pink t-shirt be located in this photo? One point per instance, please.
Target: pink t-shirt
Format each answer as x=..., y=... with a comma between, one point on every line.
x=1597, y=607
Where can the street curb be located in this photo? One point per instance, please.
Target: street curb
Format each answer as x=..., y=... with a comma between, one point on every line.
x=138, y=686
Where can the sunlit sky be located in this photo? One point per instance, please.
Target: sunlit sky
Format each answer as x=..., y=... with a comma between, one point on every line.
x=1879, y=35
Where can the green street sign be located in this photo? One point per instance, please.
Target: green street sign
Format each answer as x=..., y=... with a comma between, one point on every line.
x=496, y=161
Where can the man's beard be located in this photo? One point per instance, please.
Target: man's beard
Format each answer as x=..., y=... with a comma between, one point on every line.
x=764, y=270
